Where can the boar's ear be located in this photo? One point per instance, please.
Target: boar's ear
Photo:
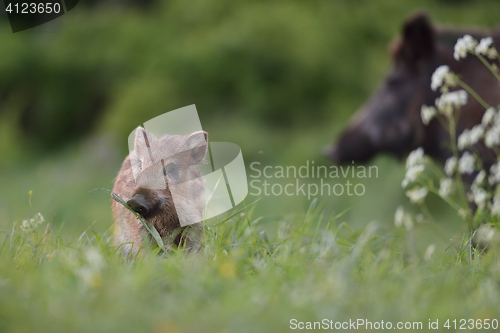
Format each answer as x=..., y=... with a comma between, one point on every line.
x=141, y=143
x=197, y=144
x=418, y=39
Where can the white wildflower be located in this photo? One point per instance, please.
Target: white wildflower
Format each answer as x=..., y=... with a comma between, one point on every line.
x=438, y=76
x=476, y=134
x=415, y=171
x=30, y=225
x=495, y=207
x=496, y=119
x=480, y=196
x=488, y=116
x=470, y=137
x=485, y=233
x=427, y=113
x=445, y=187
x=487, y=48
x=94, y=258
x=450, y=166
x=494, y=174
x=25, y=226
x=417, y=195
x=415, y=157
x=492, y=53
x=463, y=213
x=446, y=102
x=492, y=137
x=484, y=45
x=429, y=252
x=458, y=97
x=464, y=44
x=399, y=216
x=464, y=139
x=467, y=163
x=408, y=223
x=444, y=108
x=412, y=174
x=479, y=180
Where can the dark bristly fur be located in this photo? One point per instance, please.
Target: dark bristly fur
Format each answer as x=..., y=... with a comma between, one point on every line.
x=390, y=121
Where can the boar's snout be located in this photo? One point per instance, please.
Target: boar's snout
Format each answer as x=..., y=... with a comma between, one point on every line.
x=352, y=146
x=138, y=204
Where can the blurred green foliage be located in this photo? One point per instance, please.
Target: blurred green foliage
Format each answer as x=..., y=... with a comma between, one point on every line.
x=280, y=63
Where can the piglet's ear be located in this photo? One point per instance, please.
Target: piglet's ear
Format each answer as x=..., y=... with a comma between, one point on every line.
x=418, y=38
x=197, y=143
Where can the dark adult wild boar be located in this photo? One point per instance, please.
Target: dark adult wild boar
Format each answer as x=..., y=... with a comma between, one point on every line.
x=390, y=121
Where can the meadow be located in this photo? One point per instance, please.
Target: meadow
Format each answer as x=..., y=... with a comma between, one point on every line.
x=278, y=79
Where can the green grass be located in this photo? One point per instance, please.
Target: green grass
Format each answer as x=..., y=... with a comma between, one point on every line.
x=278, y=261
x=244, y=280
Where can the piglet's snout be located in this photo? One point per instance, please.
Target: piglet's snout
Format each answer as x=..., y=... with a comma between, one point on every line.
x=138, y=204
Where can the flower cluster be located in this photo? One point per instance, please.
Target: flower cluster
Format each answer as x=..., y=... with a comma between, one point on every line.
x=445, y=105
x=465, y=160
x=486, y=48
x=414, y=167
x=31, y=224
x=444, y=78
x=464, y=45
x=467, y=44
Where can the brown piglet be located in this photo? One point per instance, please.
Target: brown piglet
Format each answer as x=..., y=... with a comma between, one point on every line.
x=161, y=182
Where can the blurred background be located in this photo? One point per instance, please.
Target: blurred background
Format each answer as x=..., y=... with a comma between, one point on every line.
x=278, y=78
